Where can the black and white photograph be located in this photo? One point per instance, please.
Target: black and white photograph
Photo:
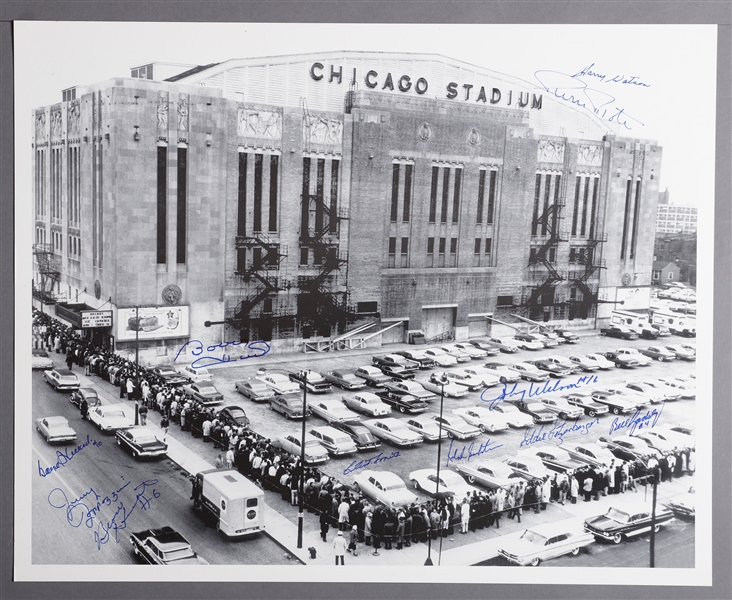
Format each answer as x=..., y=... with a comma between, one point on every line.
x=381, y=296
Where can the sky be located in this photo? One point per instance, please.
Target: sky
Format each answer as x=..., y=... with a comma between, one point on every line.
x=673, y=97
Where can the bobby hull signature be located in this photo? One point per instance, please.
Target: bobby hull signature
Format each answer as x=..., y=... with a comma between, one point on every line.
x=231, y=351
x=570, y=88
x=87, y=509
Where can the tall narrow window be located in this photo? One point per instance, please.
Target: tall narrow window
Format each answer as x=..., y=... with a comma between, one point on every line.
x=182, y=201
x=392, y=253
x=576, y=204
x=257, y=217
x=430, y=252
x=433, y=194
x=491, y=198
x=593, y=212
x=162, y=223
x=456, y=196
x=626, y=217
x=407, y=192
x=395, y=192
x=481, y=195
x=584, y=206
x=488, y=247
x=441, y=252
x=333, y=222
x=445, y=193
x=476, y=249
x=537, y=196
x=241, y=223
x=319, y=198
x=546, y=211
x=555, y=211
x=636, y=216
x=453, y=252
x=305, y=207
x=405, y=253
x=274, y=163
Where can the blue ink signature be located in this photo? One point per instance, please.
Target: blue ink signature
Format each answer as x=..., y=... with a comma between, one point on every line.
x=575, y=91
x=647, y=421
x=260, y=349
x=621, y=79
x=470, y=451
x=560, y=429
x=86, y=509
x=65, y=457
x=360, y=464
x=537, y=390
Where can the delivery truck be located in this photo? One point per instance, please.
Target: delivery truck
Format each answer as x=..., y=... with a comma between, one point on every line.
x=234, y=502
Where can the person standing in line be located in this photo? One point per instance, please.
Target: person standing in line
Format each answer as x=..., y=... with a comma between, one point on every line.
x=130, y=387
x=142, y=411
x=84, y=407
x=339, y=546
x=164, y=424
x=353, y=540
x=69, y=360
x=343, y=515
x=230, y=458
x=464, y=516
x=219, y=462
x=587, y=487
x=324, y=525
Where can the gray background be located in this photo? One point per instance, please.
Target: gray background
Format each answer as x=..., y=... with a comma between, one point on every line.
x=366, y=11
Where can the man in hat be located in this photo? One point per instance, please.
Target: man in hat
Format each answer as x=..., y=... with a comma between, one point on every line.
x=339, y=545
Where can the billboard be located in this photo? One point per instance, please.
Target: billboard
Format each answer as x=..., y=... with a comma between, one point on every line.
x=152, y=323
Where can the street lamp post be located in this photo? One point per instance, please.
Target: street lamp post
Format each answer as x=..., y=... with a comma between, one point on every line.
x=300, y=499
x=137, y=357
x=443, y=381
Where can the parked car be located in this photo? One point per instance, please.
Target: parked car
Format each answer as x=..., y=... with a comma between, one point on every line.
x=360, y=435
x=202, y=374
x=418, y=356
x=686, y=387
x=659, y=353
x=395, y=360
x=548, y=341
x=110, y=417
x=640, y=400
x=254, y=389
x=279, y=383
x=600, y=360
x=85, y=393
x=544, y=542
x=560, y=407
x=344, y=380
x=622, y=360
x=234, y=416
x=169, y=375
x=425, y=426
x=332, y=411
x=528, y=467
x=653, y=395
x=564, y=363
x=504, y=374
x=539, y=413
x=528, y=341
x=413, y=388
x=290, y=405
x=372, y=376
x=404, y=403
x=589, y=453
x=204, y=392
x=456, y=352
x=140, y=442
x=40, y=359
x=449, y=483
x=62, y=380
x=661, y=330
x=314, y=452
x=482, y=418
x=367, y=403
x=568, y=336
x=529, y=372
x=338, y=443
x=656, y=440
x=456, y=427
x=668, y=392
x=554, y=369
x=164, y=546
x=484, y=375
x=622, y=333
x=683, y=505
x=682, y=352
x=385, y=487
x=450, y=390
x=553, y=457
x=397, y=372
x=617, y=523
x=55, y=429
x=627, y=447
x=671, y=439
x=471, y=349
x=314, y=381
x=486, y=346
x=514, y=417
x=587, y=403
x=617, y=403
x=644, y=361
x=489, y=472
x=393, y=430
x=473, y=383
x=441, y=358
x=586, y=364
x=504, y=344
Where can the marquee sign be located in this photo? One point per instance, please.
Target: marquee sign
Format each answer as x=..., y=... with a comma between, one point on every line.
x=96, y=318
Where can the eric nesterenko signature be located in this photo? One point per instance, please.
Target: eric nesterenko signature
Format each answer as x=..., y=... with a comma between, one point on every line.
x=572, y=89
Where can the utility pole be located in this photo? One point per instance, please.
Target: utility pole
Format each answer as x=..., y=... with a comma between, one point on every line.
x=301, y=493
x=443, y=381
x=654, y=480
x=137, y=357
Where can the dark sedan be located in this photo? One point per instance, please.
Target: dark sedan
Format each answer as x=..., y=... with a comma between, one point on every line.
x=169, y=375
x=619, y=523
x=140, y=442
x=233, y=416
x=539, y=413
x=86, y=393
x=403, y=403
x=424, y=361
x=397, y=372
x=204, y=392
x=568, y=336
x=345, y=380
x=554, y=369
x=361, y=436
x=622, y=333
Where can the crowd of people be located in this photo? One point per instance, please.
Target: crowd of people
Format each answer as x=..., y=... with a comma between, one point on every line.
x=337, y=505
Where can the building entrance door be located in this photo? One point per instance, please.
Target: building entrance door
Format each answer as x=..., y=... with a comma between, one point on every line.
x=438, y=321
x=478, y=327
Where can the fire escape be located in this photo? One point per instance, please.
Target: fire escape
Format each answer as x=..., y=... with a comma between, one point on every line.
x=587, y=279
x=49, y=268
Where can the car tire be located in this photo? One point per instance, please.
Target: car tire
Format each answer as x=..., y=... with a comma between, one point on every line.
x=617, y=538
x=482, y=428
x=563, y=416
x=502, y=379
x=535, y=419
x=471, y=479
x=451, y=435
x=135, y=455
x=119, y=443
x=591, y=413
x=661, y=359
x=619, y=365
x=535, y=561
x=416, y=484
x=574, y=551
x=616, y=410
x=402, y=409
x=656, y=528
x=135, y=549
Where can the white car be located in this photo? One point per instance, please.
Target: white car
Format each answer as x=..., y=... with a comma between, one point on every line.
x=528, y=467
x=385, y=487
x=450, y=389
x=488, y=378
x=393, y=430
x=561, y=408
x=563, y=362
x=651, y=394
x=514, y=417
x=55, y=429
x=456, y=426
x=529, y=372
x=471, y=382
x=471, y=349
x=585, y=364
x=504, y=344
x=195, y=375
x=642, y=359
x=450, y=483
x=659, y=440
x=668, y=392
x=489, y=472
x=336, y=442
x=683, y=437
x=686, y=387
x=281, y=384
x=482, y=418
x=599, y=360
x=528, y=344
x=441, y=358
x=426, y=427
x=456, y=352
x=542, y=542
x=332, y=411
x=504, y=374
x=110, y=417
x=41, y=360
x=367, y=403
x=314, y=452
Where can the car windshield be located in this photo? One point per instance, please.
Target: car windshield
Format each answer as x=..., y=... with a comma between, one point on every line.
x=536, y=407
x=311, y=443
x=395, y=486
x=237, y=414
x=67, y=378
x=618, y=515
x=506, y=408
x=145, y=439
x=533, y=537
x=178, y=554
x=114, y=414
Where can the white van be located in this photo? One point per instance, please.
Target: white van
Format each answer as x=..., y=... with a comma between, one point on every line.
x=236, y=503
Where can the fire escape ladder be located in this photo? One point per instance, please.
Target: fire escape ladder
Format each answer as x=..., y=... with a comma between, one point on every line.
x=49, y=268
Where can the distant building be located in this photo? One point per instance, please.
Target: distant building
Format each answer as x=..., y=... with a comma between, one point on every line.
x=676, y=219
x=679, y=248
x=664, y=272
x=663, y=197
